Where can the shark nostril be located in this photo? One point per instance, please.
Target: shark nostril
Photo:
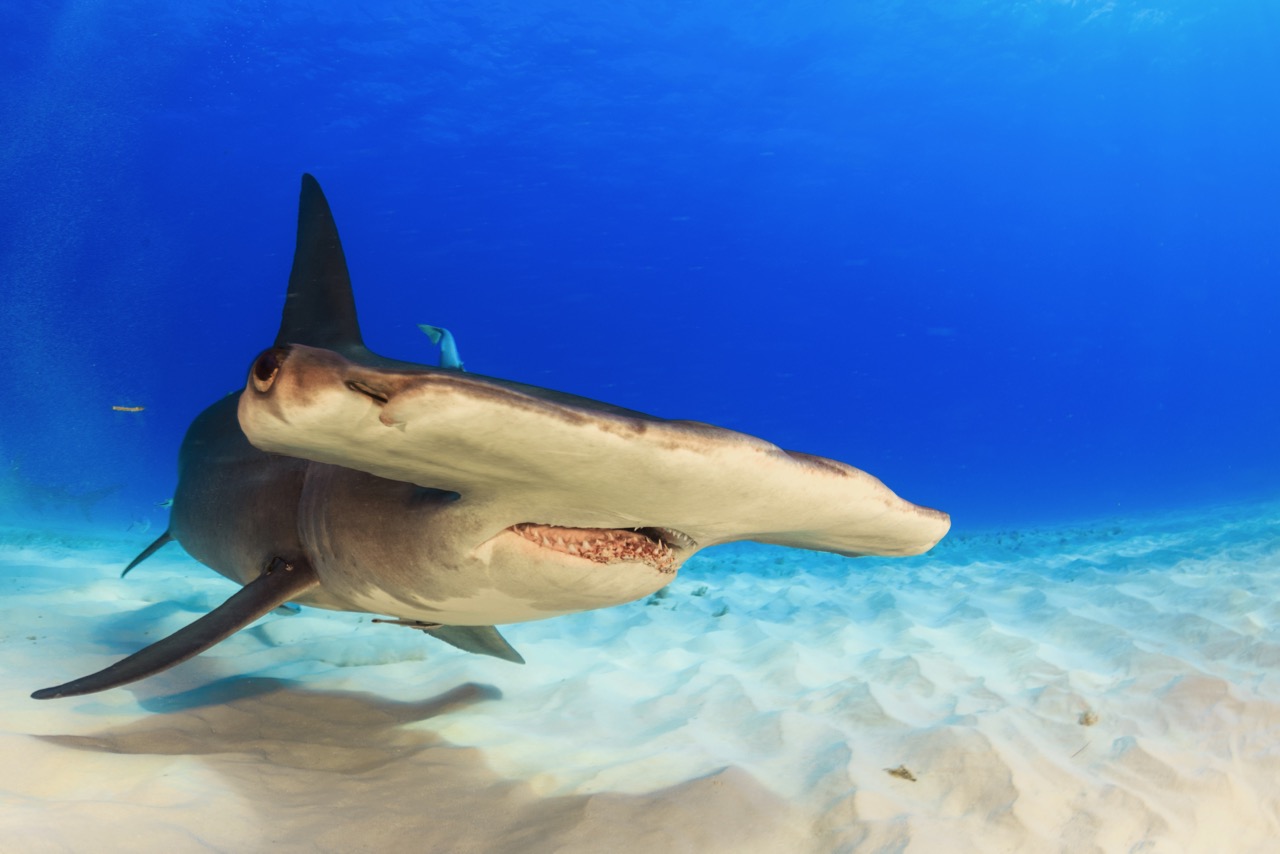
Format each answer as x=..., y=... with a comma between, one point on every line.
x=378, y=397
x=265, y=368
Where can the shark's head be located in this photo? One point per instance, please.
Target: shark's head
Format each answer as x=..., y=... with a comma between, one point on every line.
x=461, y=499
x=542, y=503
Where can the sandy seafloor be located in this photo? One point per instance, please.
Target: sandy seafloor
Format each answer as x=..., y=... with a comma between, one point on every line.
x=1109, y=687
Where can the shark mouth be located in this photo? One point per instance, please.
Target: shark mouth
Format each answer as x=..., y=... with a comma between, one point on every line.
x=654, y=546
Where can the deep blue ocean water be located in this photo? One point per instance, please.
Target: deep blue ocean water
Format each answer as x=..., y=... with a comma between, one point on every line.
x=1019, y=260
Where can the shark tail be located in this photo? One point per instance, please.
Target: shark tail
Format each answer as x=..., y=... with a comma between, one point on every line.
x=87, y=501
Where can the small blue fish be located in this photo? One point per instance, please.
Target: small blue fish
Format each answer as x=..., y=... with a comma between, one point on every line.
x=449, y=357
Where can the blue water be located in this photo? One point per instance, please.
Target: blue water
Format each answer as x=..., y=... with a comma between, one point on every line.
x=1017, y=260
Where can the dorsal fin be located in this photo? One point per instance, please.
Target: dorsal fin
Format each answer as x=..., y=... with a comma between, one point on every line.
x=319, y=310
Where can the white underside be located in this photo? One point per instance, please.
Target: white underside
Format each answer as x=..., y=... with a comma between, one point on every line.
x=486, y=607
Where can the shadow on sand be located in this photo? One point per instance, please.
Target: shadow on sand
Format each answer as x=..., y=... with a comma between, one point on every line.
x=309, y=770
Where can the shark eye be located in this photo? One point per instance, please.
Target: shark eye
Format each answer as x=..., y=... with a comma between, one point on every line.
x=265, y=368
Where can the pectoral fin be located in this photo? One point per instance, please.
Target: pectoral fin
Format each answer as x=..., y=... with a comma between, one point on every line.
x=482, y=640
x=162, y=540
x=281, y=582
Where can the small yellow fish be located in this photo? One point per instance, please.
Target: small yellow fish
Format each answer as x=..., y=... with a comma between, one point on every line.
x=128, y=408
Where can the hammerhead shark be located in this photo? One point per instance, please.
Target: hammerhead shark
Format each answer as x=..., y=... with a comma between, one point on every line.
x=453, y=501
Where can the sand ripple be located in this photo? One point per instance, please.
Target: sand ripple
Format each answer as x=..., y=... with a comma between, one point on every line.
x=1112, y=688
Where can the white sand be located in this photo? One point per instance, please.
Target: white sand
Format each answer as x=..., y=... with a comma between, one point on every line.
x=1113, y=688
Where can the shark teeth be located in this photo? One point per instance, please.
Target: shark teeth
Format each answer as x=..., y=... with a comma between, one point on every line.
x=654, y=546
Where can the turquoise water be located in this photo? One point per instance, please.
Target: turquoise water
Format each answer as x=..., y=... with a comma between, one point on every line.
x=1016, y=260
